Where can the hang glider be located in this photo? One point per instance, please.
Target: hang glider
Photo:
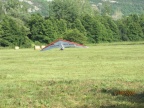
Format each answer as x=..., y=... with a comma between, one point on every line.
x=62, y=44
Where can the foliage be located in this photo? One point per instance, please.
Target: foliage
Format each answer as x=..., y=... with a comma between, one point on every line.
x=77, y=24
x=14, y=33
x=69, y=9
x=132, y=28
x=75, y=36
x=65, y=18
x=1, y=10
x=127, y=7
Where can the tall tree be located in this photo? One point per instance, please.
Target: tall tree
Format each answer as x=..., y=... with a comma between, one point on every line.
x=36, y=27
x=114, y=28
x=1, y=10
x=14, y=32
x=78, y=25
x=49, y=31
x=1, y=33
x=75, y=36
x=61, y=27
x=142, y=23
x=16, y=9
x=96, y=31
x=42, y=30
x=69, y=9
x=122, y=30
x=134, y=29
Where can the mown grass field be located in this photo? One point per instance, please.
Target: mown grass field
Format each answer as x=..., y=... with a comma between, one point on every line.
x=101, y=76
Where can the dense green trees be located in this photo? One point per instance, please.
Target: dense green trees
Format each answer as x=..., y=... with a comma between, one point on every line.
x=69, y=10
x=126, y=7
x=14, y=32
x=142, y=22
x=132, y=28
x=75, y=35
x=69, y=19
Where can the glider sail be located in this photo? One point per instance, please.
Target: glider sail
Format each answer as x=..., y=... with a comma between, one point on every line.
x=62, y=44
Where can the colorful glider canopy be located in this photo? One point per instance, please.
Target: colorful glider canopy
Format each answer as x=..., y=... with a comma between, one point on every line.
x=60, y=43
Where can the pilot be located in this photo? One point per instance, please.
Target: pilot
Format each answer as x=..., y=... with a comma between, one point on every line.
x=61, y=48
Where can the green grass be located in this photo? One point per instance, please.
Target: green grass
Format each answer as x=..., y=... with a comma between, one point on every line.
x=73, y=78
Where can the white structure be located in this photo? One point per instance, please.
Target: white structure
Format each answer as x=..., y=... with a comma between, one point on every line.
x=43, y=46
x=37, y=47
x=16, y=47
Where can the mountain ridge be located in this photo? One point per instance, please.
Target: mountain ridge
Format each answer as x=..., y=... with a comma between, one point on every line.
x=125, y=7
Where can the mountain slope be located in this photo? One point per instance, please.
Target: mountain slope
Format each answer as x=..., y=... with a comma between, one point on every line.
x=126, y=7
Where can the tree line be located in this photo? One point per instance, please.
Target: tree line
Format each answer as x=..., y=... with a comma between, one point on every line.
x=73, y=20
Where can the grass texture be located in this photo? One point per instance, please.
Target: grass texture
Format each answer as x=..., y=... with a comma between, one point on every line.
x=101, y=76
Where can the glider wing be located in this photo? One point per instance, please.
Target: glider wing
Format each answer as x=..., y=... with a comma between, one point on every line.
x=62, y=44
x=67, y=44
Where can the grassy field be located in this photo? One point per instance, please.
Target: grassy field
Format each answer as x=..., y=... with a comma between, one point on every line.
x=101, y=76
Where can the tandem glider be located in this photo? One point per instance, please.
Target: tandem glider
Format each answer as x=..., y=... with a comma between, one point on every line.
x=60, y=43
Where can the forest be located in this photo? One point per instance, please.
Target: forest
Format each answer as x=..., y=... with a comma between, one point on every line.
x=126, y=7
x=72, y=20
